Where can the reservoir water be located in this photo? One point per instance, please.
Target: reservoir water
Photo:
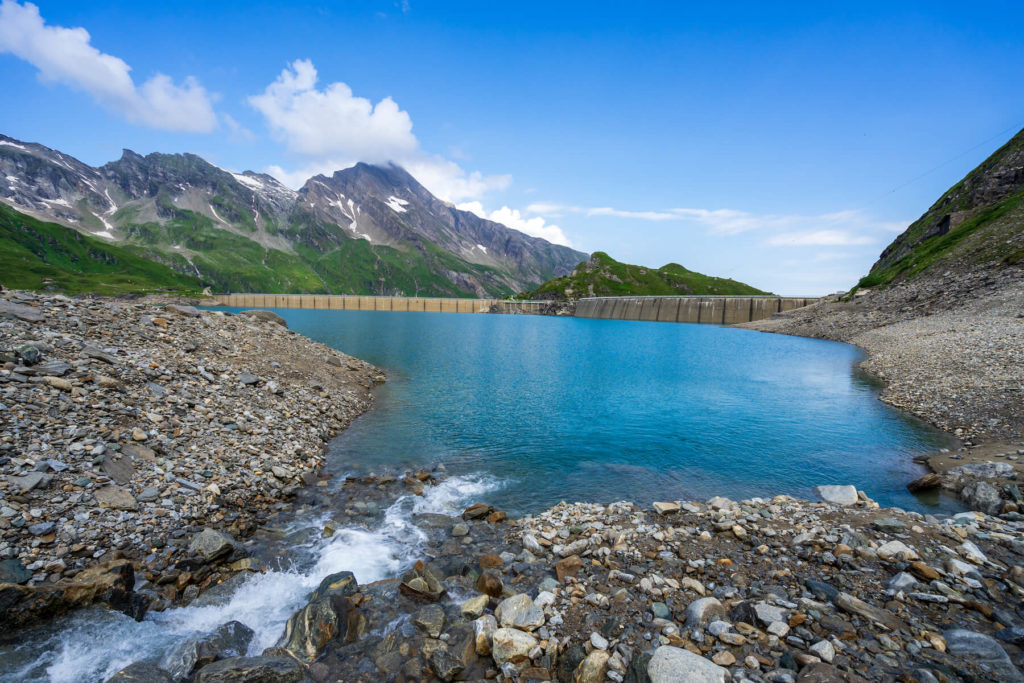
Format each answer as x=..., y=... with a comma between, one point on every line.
x=525, y=411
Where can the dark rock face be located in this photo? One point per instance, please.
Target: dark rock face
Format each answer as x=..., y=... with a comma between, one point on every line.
x=253, y=670
x=230, y=640
x=141, y=672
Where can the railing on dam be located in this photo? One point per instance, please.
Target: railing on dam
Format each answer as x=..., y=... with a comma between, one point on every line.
x=353, y=302
x=721, y=310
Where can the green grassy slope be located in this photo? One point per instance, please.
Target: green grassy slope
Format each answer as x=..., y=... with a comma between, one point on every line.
x=604, y=276
x=979, y=221
x=32, y=250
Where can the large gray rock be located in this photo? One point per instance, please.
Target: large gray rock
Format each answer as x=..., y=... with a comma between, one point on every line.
x=982, y=496
x=212, y=545
x=25, y=313
x=984, y=651
x=141, y=672
x=253, y=670
x=13, y=571
x=519, y=612
x=265, y=316
x=27, y=482
x=229, y=640
x=837, y=495
x=981, y=470
x=700, y=613
x=676, y=665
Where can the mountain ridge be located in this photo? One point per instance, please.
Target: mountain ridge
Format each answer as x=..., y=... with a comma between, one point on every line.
x=363, y=230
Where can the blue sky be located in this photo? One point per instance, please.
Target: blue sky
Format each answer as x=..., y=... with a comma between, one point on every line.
x=783, y=144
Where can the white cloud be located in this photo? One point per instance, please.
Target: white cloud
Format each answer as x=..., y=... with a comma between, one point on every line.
x=65, y=55
x=332, y=121
x=535, y=226
x=819, y=238
x=332, y=129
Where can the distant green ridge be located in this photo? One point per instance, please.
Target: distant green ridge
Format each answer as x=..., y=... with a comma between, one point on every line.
x=979, y=221
x=33, y=251
x=604, y=276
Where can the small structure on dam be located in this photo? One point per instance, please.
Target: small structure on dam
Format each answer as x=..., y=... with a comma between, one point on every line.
x=720, y=310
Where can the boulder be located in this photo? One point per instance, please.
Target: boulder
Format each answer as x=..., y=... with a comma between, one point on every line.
x=568, y=566
x=982, y=496
x=340, y=584
x=593, y=668
x=477, y=511
x=20, y=312
x=511, y=645
x=519, y=612
x=446, y=665
x=676, y=665
x=141, y=672
x=837, y=495
x=981, y=470
x=253, y=670
x=13, y=571
x=265, y=316
x=926, y=483
x=310, y=629
x=212, y=545
x=229, y=640
x=429, y=619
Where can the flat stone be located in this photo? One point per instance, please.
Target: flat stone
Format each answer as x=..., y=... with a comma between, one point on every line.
x=768, y=614
x=25, y=313
x=112, y=496
x=265, y=316
x=27, y=482
x=676, y=665
x=983, y=650
x=186, y=311
x=878, y=615
x=247, y=378
x=474, y=607
x=141, y=672
x=666, y=508
x=253, y=670
x=429, y=619
x=837, y=495
x=897, y=550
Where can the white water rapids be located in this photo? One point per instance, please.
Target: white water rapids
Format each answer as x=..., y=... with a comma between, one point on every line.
x=93, y=644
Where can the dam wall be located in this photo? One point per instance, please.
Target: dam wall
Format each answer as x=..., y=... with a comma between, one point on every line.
x=718, y=310
x=352, y=302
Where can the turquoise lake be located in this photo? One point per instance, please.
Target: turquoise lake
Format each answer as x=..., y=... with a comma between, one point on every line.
x=553, y=409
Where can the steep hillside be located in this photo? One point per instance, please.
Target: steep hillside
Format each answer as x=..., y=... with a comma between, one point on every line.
x=34, y=255
x=366, y=229
x=978, y=222
x=604, y=276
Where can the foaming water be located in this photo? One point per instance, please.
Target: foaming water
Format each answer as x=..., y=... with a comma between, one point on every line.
x=94, y=644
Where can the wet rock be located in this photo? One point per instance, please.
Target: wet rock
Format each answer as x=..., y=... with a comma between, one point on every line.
x=511, y=645
x=421, y=584
x=675, y=665
x=474, y=607
x=519, y=612
x=825, y=673
x=446, y=665
x=483, y=631
x=212, y=545
x=141, y=672
x=430, y=620
x=928, y=482
x=265, y=316
x=984, y=650
x=253, y=670
x=310, y=629
x=490, y=584
x=229, y=640
x=342, y=584
x=477, y=511
x=837, y=495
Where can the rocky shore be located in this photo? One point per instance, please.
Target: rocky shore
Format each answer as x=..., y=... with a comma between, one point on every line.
x=151, y=437
x=777, y=590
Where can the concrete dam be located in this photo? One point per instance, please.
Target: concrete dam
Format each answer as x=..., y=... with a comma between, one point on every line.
x=719, y=310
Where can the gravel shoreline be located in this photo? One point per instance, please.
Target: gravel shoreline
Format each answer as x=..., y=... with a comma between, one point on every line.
x=127, y=427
